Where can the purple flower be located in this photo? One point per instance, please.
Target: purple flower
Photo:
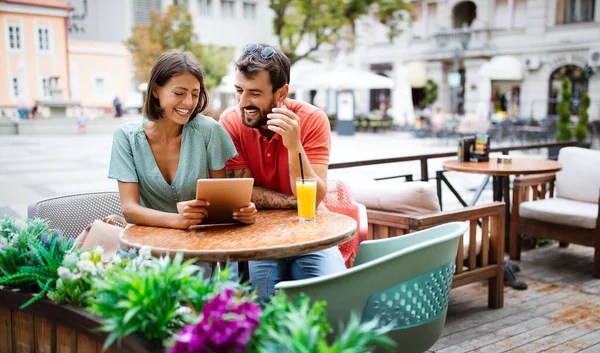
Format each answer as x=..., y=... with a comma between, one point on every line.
x=226, y=326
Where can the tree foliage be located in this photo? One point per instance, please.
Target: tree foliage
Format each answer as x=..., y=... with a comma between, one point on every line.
x=174, y=29
x=431, y=92
x=320, y=22
x=581, y=129
x=564, y=112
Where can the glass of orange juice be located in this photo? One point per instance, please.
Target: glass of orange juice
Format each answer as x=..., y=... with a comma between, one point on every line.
x=306, y=193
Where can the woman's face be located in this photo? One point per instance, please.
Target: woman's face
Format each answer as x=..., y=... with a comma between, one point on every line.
x=178, y=97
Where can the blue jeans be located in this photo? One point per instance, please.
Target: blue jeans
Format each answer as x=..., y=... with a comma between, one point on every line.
x=265, y=274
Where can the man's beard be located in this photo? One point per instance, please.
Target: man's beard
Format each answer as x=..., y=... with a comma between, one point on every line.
x=262, y=119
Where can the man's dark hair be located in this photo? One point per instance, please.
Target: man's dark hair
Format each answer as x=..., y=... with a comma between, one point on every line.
x=170, y=64
x=278, y=65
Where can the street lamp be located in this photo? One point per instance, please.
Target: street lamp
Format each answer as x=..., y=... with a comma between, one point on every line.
x=462, y=37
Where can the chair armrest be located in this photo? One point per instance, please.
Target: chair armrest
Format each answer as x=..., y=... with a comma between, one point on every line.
x=531, y=180
x=461, y=214
x=363, y=231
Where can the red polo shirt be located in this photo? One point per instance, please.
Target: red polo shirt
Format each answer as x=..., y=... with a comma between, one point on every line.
x=268, y=159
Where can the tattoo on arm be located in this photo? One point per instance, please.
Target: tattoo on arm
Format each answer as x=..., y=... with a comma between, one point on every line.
x=269, y=199
x=237, y=173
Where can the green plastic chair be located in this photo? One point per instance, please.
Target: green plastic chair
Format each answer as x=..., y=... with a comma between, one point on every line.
x=404, y=281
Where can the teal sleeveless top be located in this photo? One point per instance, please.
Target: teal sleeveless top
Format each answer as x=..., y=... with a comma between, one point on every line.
x=205, y=146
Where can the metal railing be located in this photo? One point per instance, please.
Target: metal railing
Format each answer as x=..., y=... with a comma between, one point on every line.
x=424, y=158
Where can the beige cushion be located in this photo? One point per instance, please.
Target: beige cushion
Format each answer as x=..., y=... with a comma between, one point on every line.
x=410, y=198
x=561, y=211
x=580, y=177
x=467, y=240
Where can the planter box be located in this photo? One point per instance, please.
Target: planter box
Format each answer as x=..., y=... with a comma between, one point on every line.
x=48, y=327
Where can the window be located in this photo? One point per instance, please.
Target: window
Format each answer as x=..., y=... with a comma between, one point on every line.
x=45, y=87
x=574, y=11
x=501, y=15
x=205, y=7
x=14, y=37
x=183, y=3
x=14, y=87
x=43, y=38
x=227, y=8
x=418, y=27
x=100, y=89
x=520, y=14
x=249, y=11
x=431, y=18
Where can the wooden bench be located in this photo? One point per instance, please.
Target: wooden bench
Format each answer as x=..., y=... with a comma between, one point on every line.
x=485, y=264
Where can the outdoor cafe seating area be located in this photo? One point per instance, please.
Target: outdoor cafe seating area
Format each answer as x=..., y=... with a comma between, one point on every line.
x=436, y=275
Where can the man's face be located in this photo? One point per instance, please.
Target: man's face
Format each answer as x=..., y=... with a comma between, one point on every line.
x=255, y=98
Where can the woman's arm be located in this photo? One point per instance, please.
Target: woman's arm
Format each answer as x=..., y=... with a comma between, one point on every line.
x=193, y=213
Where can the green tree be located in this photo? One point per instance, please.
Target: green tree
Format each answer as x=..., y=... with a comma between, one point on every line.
x=564, y=112
x=431, y=92
x=174, y=29
x=581, y=129
x=321, y=22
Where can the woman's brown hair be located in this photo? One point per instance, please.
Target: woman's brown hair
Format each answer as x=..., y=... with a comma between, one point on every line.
x=170, y=64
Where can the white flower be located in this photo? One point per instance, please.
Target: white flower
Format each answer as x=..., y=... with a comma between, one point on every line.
x=85, y=255
x=116, y=260
x=3, y=242
x=98, y=250
x=70, y=260
x=145, y=252
x=64, y=272
x=100, y=268
x=87, y=266
x=182, y=310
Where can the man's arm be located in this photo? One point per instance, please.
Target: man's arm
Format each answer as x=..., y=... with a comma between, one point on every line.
x=264, y=198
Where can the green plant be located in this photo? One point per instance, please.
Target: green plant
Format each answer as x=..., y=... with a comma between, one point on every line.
x=78, y=271
x=564, y=112
x=151, y=297
x=30, y=255
x=297, y=326
x=581, y=129
x=431, y=92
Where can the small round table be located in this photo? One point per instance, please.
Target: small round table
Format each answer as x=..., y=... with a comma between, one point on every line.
x=276, y=234
x=501, y=173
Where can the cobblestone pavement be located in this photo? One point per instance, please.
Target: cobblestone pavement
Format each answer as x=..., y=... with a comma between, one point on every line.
x=35, y=167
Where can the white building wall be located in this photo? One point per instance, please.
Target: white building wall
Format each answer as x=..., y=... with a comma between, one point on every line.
x=537, y=36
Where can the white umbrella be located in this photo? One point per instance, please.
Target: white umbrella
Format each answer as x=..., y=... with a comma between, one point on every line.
x=336, y=77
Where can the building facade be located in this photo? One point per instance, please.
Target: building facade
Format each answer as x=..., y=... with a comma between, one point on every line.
x=489, y=56
x=33, y=45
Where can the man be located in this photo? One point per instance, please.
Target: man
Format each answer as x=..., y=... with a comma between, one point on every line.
x=270, y=131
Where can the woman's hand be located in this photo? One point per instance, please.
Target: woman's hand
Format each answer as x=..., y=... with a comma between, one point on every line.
x=246, y=214
x=192, y=214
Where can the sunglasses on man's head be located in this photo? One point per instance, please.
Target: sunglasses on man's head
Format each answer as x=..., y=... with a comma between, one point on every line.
x=265, y=52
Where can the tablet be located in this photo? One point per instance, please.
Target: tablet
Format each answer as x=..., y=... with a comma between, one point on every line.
x=224, y=195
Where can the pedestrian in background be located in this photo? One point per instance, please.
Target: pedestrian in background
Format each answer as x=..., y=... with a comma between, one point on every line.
x=117, y=104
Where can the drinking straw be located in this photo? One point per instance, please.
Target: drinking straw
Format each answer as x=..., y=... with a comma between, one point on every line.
x=301, y=169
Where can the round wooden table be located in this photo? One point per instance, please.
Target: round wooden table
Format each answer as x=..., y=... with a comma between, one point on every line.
x=519, y=166
x=276, y=234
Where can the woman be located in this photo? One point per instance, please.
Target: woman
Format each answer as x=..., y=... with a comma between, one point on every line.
x=158, y=160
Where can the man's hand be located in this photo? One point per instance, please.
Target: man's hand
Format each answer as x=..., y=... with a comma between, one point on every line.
x=246, y=214
x=287, y=124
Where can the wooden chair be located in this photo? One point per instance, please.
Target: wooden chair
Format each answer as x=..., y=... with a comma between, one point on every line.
x=482, y=257
x=540, y=212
